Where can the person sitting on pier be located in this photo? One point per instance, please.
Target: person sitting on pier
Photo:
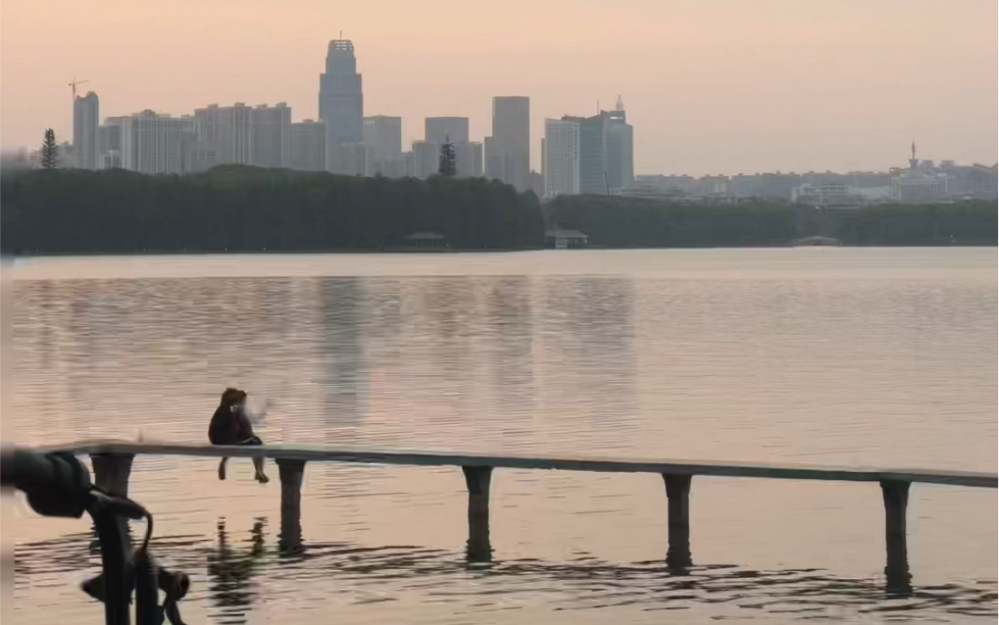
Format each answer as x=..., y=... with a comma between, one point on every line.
x=231, y=426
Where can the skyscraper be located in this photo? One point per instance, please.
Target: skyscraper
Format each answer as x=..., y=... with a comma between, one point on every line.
x=86, y=118
x=620, y=149
x=511, y=139
x=561, y=157
x=439, y=129
x=341, y=104
x=593, y=174
x=270, y=135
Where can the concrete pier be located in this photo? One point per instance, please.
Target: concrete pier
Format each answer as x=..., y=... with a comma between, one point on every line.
x=478, y=480
x=678, y=520
x=112, y=462
x=291, y=473
x=112, y=471
x=896, y=499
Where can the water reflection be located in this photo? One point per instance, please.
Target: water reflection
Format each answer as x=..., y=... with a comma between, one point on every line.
x=231, y=570
x=803, y=368
x=239, y=566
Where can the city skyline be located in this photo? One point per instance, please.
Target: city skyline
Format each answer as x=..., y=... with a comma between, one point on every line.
x=713, y=87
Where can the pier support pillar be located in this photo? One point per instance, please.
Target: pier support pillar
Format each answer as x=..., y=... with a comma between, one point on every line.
x=111, y=472
x=478, y=480
x=896, y=498
x=678, y=524
x=291, y=473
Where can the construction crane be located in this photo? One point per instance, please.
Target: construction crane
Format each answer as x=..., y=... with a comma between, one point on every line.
x=74, y=84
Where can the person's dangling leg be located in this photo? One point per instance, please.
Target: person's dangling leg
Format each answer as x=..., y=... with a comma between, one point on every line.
x=222, y=468
x=258, y=469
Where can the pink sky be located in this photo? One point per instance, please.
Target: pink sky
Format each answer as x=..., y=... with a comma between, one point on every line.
x=711, y=86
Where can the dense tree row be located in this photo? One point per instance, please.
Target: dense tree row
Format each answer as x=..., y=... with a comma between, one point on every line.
x=960, y=223
x=249, y=209
x=243, y=209
x=633, y=222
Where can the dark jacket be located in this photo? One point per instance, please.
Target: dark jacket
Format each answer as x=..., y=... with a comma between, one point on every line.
x=229, y=428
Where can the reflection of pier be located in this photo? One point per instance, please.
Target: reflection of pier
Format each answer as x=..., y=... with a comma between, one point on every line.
x=112, y=465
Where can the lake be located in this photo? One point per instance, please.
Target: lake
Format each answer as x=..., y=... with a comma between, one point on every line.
x=821, y=355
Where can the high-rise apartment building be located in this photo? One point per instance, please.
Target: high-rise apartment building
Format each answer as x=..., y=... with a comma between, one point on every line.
x=425, y=159
x=383, y=134
x=352, y=159
x=560, y=157
x=109, y=143
x=511, y=140
x=270, y=135
x=492, y=158
x=468, y=158
x=155, y=144
x=308, y=146
x=86, y=119
x=228, y=129
x=440, y=129
x=341, y=104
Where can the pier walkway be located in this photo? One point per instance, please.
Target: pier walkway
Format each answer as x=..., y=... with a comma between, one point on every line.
x=112, y=463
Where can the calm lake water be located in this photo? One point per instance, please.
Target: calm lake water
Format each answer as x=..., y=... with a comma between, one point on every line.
x=880, y=357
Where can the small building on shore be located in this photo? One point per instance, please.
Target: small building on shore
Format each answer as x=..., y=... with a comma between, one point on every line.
x=426, y=241
x=563, y=239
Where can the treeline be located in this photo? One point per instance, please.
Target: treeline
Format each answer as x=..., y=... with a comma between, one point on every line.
x=641, y=223
x=633, y=222
x=245, y=209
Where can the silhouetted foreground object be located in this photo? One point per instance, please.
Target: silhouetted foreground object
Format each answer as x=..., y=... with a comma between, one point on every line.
x=246, y=209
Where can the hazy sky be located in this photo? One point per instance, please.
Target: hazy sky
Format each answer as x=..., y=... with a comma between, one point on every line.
x=711, y=86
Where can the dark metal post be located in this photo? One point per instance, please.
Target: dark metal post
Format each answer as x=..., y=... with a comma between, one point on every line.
x=896, y=498
x=678, y=523
x=478, y=480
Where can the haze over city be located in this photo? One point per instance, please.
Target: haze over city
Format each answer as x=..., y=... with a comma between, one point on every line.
x=710, y=87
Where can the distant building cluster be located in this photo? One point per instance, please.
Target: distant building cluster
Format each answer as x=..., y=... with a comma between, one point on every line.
x=579, y=155
x=922, y=181
x=588, y=154
x=343, y=140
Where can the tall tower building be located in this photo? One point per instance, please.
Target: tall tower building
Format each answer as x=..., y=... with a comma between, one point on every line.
x=510, y=146
x=620, y=149
x=341, y=105
x=86, y=119
x=594, y=168
x=561, y=157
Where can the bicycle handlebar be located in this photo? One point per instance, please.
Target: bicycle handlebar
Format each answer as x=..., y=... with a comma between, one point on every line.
x=55, y=483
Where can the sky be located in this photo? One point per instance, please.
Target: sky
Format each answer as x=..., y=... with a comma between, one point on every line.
x=711, y=86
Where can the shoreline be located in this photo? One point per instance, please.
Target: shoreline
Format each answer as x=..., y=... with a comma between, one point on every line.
x=448, y=251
